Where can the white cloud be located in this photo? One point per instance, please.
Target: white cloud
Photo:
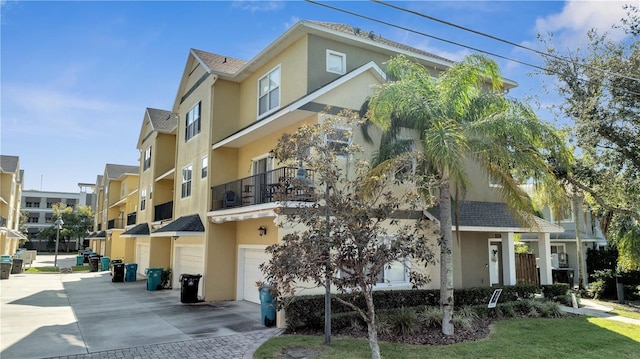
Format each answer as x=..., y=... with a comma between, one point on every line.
x=579, y=16
x=292, y=21
x=254, y=6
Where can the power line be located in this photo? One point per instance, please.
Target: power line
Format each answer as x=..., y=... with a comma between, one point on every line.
x=541, y=53
x=459, y=44
x=425, y=34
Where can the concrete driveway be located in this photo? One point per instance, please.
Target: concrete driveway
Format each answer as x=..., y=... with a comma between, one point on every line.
x=49, y=315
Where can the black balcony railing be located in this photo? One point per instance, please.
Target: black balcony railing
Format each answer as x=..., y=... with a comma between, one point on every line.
x=281, y=184
x=163, y=211
x=115, y=223
x=131, y=218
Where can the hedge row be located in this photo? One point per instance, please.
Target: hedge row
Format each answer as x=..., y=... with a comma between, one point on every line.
x=308, y=311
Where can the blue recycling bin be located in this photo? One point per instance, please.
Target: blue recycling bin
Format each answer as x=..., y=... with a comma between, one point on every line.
x=131, y=269
x=267, y=307
x=104, y=263
x=79, y=260
x=5, y=258
x=154, y=276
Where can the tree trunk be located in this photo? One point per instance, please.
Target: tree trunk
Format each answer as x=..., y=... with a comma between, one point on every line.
x=446, y=260
x=577, y=209
x=371, y=326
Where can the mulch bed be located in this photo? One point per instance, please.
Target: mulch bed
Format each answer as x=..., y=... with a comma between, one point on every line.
x=426, y=336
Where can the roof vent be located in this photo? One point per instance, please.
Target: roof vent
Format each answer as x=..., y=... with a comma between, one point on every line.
x=356, y=30
x=225, y=61
x=371, y=35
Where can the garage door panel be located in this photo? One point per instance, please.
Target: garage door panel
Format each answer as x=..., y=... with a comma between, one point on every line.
x=188, y=260
x=142, y=258
x=253, y=258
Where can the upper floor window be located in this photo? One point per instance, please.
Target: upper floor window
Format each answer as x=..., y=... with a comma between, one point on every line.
x=143, y=199
x=336, y=62
x=186, y=181
x=205, y=167
x=269, y=91
x=32, y=204
x=339, y=139
x=193, y=122
x=147, y=159
x=123, y=190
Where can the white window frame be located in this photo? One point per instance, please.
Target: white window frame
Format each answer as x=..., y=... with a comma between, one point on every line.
x=187, y=177
x=192, y=122
x=143, y=199
x=146, y=164
x=343, y=62
x=277, y=89
x=204, y=170
x=338, y=141
x=150, y=192
x=123, y=189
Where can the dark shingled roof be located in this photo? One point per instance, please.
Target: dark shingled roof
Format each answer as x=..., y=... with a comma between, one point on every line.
x=9, y=164
x=162, y=120
x=377, y=38
x=141, y=229
x=482, y=214
x=219, y=63
x=101, y=234
x=183, y=224
x=115, y=171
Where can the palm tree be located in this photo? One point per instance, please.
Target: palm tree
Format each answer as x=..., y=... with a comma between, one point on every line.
x=461, y=116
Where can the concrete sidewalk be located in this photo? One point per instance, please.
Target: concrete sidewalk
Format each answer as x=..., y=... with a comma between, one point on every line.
x=594, y=309
x=87, y=315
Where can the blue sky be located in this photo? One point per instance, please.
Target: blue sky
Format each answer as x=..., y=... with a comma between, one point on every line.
x=76, y=77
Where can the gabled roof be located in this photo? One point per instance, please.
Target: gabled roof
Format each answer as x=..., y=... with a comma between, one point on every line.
x=218, y=63
x=139, y=230
x=491, y=216
x=101, y=235
x=114, y=172
x=9, y=164
x=183, y=226
x=161, y=120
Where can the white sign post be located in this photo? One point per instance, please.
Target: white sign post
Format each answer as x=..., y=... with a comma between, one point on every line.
x=494, y=298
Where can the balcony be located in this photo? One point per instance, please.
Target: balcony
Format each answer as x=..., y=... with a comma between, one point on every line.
x=281, y=184
x=115, y=223
x=131, y=218
x=163, y=211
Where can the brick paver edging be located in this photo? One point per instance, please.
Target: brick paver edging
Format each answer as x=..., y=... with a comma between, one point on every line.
x=224, y=347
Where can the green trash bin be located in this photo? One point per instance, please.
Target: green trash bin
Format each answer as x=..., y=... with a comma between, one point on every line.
x=80, y=260
x=154, y=277
x=104, y=263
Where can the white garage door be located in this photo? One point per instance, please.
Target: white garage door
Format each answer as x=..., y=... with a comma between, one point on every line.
x=251, y=273
x=188, y=259
x=142, y=257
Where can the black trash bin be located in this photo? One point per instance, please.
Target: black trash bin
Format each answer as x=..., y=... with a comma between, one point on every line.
x=118, y=272
x=17, y=266
x=93, y=263
x=189, y=288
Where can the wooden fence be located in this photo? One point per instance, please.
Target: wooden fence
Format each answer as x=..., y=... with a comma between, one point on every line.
x=526, y=271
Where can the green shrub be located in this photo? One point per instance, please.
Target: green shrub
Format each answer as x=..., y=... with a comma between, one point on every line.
x=401, y=322
x=551, y=291
x=431, y=316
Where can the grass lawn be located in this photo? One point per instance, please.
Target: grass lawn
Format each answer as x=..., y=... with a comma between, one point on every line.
x=572, y=337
